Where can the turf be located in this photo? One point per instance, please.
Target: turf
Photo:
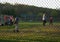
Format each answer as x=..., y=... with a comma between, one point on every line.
x=31, y=32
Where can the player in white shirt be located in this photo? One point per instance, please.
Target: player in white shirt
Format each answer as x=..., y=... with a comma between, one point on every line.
x=44, y=19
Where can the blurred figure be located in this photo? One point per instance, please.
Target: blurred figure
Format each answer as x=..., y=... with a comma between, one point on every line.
x=0, y=21
x=44, y=19
x=8, y=20
x=11, y=20
x=51, y=20
x=16, y=24
x=5, y=19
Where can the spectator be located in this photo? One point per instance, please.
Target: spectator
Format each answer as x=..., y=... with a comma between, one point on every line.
x=11, y=20
x=5, y=19
x=44, y=19
x=51, y=20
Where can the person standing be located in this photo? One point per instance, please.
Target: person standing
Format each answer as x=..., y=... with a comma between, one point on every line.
x=2, y=20
x=16, y=24
x=5, y=19
x=11, y=20
x=44, y=19
x=51, y=20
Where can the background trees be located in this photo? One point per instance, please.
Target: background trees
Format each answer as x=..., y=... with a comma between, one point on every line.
x=27, y=11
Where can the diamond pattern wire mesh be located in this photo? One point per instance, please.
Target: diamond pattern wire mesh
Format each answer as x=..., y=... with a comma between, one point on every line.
x=31, y=31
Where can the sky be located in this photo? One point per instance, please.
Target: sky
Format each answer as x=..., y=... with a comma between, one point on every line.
x=39, y=3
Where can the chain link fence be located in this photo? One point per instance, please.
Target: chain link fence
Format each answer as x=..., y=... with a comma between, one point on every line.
x=31, y=29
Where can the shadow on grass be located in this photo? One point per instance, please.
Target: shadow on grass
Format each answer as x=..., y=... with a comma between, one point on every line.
x=29, y=40
x=1, y=40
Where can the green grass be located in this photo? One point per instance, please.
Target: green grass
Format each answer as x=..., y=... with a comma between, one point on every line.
x=31, y=32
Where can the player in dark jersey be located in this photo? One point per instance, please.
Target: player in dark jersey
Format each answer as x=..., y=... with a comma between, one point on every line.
x=51, y=20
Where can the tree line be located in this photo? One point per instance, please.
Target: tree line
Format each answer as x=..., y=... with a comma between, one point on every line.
x=26, y=11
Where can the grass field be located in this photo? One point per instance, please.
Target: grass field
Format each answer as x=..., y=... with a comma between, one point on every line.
x=31, y=32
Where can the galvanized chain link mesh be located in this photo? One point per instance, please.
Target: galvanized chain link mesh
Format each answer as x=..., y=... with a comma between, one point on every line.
x=32, y=31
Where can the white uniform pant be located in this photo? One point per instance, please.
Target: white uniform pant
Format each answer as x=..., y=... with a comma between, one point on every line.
x=16, y=27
